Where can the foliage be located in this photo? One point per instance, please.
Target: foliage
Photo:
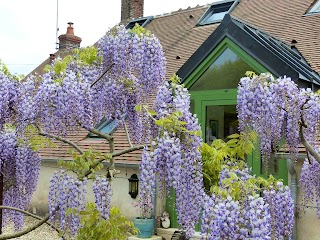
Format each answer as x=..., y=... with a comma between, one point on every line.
x=95, y=227
x=174, y=156
x=278, y=110
x=114, y=80
x=240, y=205
x=221, y=153
x=80, y=164
x=4, y=69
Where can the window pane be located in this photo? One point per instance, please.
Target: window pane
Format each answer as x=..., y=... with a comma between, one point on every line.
x=215, y=17
x=224, y=73
x=221, y=121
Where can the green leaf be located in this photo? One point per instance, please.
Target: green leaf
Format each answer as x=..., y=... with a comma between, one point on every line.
x=138, y=108
x=235, y=135
x=151, y=112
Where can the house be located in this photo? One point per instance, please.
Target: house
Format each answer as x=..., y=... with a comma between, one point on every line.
x=200, y=43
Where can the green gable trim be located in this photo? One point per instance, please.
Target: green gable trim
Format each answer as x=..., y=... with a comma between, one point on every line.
x=225, y=43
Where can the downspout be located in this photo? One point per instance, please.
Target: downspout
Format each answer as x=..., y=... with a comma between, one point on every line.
x=294, y=191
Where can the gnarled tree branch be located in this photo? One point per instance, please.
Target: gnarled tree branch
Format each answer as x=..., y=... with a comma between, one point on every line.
x=127, y=133
x=29, y=229
x=74, y=145
x=308, y=146
x=115, y=154
x=29, y=214
x=100, y=134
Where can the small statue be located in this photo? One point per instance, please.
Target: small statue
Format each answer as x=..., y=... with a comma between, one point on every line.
x=165, y=220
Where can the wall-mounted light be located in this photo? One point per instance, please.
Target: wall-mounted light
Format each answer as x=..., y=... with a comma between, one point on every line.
x=133, y=185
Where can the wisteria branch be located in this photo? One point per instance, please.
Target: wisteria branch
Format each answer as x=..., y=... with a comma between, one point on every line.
x=74, y=145
x=115, y=154
x=308, y=146
x=108, y=69
x=100, y=134
x=29, y=214
x=127, y=133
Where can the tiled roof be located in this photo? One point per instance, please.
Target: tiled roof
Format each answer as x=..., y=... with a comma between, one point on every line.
x=180, y=38
x=61, y=151
x=287, y=20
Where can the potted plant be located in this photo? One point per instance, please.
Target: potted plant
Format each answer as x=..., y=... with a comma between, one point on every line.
x=145, y=223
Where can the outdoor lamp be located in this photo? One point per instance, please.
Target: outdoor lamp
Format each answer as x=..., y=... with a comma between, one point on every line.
x=133, y=185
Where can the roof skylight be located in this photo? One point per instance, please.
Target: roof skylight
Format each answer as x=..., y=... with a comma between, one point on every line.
x=216, y=11
x=315, y=8
x=107, y=126
x=141, y=21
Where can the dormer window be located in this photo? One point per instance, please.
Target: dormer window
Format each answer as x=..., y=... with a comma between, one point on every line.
x=141, y=21
x=216, y=11
x=315, y=8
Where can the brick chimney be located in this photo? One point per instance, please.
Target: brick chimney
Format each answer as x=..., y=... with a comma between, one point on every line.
x=131, y=9
x=69, y=40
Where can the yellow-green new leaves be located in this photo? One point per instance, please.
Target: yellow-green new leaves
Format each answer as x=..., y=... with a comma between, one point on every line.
x=231, y=155
x=36, y=141
x=250, y=74
x=137, y=29
x=216, y=156
x=82, y=163
x=175, y=79
x=87, y=56
x=4, y=69
x=116, y=227
x=81, y=56
x=242, y=145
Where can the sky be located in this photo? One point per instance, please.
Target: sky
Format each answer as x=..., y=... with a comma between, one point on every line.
x=28, y=28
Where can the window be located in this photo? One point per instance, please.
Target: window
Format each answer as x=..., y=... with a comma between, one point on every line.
x=106, y=126
x=141, y=21
x=224, y=73
x=315, y=8
x=216, y=12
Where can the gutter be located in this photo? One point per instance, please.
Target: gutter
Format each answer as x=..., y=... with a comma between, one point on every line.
x=105, y=164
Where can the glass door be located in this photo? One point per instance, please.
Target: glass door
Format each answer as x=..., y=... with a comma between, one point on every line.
x=218, y=119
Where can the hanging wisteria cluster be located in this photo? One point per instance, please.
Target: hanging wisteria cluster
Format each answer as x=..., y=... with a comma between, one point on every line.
x=309, y=184
x=281, y=210
x=248, y=215
x=102, y=194
x=278, y=110
x=67, y=192
x=20, y=167
x=175, y=155
x=80, y=95
x=272, y=107
x=8, y=99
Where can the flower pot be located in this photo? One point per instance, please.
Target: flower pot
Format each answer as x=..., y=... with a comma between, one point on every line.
x=145, y=226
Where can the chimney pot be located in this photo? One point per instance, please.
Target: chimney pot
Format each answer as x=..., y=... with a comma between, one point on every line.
x=70, y=28
x=69, y=40
x=52, y=57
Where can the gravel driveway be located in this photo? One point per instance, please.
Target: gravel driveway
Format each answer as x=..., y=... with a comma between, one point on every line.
x=44, y=232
